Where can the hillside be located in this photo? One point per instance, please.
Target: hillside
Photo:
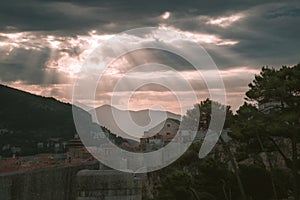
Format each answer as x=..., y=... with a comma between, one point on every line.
x=26, y=119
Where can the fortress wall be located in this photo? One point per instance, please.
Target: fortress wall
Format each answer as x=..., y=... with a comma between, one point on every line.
x=57, y=183
x=108, y=185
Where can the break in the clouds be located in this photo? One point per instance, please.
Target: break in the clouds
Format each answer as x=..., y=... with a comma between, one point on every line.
x=43, y=44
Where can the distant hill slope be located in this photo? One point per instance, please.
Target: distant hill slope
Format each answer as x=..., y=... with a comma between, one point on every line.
x=105, y=117
x=26, y=119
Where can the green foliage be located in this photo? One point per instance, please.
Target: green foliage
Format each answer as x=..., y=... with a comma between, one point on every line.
x=254, y=129
x=257, y=182
x=189, y=178
x=200, y=116
x=278, y=92
x=281, y=85
x=176, y=186
x=283, y=182
x=275, y=118
x=281, y=89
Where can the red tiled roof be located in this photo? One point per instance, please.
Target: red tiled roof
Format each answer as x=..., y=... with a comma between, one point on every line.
x=36, y=162
x=168, y=137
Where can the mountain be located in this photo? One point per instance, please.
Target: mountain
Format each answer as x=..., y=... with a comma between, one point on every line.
x=27, y=119
x=118, y=121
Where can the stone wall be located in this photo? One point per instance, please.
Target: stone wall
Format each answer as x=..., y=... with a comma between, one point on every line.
x=108, y=185
x=56, y=183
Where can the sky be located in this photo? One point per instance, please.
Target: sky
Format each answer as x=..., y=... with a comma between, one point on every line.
x=45, y=43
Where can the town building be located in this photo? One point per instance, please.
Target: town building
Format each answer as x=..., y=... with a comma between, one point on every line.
x=160, y=135
x=76, y=149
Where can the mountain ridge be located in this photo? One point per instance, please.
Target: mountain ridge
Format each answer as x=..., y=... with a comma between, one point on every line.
x=121, y=125
x=27, y=119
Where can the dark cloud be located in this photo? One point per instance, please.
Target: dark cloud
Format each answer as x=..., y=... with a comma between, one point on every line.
x=47, y=16
x=80, y=16
x=27, y=66
x=267, y=33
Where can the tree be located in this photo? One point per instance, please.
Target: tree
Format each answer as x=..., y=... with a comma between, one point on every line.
x=192, y=178
x=276, y=95
x=248, y=129
x=204, y=120
x=199, y=117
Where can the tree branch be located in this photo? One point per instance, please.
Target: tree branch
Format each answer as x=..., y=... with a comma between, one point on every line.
x=288, y=161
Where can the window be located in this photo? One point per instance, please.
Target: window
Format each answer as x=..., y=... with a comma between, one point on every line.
x=168, y=125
